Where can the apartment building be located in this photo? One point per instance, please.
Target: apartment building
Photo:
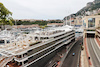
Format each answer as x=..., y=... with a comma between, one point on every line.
x=69, y=20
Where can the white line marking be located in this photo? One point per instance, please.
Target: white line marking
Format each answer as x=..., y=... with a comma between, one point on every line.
x=95, y=51
x=89, y=51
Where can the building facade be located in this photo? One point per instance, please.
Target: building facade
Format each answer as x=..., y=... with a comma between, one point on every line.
x=90, y=23
x=55, y=24
x=35, y=49
x=70, y=20
x=78, y=21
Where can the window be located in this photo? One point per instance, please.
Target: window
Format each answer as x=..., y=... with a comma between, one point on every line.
x=84, y=24
x=91, y=22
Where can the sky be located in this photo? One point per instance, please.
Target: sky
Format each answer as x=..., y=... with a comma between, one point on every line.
x=43, y=9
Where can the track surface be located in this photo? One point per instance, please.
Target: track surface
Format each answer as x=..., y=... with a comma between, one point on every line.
x=94, y=52
x=71, y=61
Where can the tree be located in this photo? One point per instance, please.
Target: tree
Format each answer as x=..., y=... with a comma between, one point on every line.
x=43, y=27
x=5, y=15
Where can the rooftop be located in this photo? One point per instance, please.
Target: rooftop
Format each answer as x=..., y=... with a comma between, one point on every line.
x=25, y=42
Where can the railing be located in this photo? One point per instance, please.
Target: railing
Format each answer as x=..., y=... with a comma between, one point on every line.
x=64, y=43
x=20, y=59
x=55, y=39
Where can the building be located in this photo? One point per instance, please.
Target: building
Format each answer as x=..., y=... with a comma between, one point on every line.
x=70, y=20
x=56, y=20
x=94, y=12
x=73, y=20
x=90, y=23
x=65, y=20
x=25, y=26
x=55, y=24
x=88, y=13
x=35, y=49
x=99, y=10
x=78, y=21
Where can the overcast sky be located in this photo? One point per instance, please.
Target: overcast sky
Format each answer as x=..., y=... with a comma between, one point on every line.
x=43, y=9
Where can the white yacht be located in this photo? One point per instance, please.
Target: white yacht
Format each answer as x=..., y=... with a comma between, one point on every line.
x=35, y=49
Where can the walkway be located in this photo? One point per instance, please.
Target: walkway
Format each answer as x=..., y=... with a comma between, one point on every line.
x=84, y=60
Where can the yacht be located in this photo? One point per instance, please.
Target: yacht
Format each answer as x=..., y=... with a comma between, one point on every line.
x=36, y=48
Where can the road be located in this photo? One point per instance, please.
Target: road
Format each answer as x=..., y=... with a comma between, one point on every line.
x=71, y=61
x=94, y=52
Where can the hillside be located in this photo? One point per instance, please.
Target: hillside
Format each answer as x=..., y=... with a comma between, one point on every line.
x=90, y=8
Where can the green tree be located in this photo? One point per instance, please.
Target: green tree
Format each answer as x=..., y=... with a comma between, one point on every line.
x=5, y=15
x=43, y=27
